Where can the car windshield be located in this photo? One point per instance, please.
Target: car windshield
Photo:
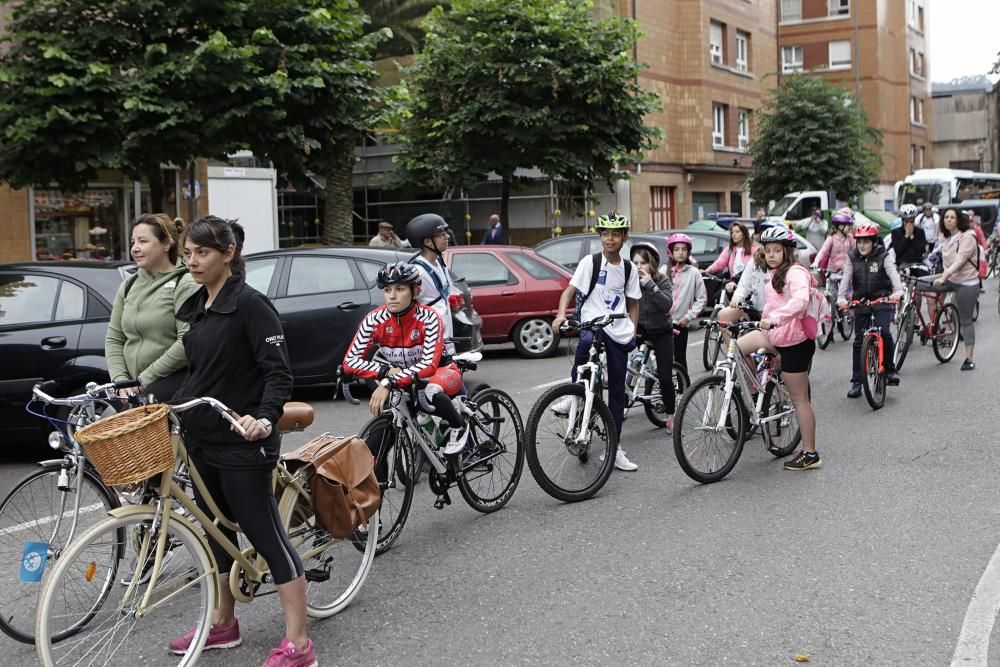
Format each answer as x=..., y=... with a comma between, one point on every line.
x=783, y=205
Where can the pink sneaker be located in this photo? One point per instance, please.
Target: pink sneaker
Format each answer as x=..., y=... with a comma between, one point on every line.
x=217, y=638
x=286, y=655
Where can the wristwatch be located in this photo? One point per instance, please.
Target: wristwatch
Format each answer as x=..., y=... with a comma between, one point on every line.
x=267, y=424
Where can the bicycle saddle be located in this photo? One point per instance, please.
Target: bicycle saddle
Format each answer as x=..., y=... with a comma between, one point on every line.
x=473, y=357
x=296, y=416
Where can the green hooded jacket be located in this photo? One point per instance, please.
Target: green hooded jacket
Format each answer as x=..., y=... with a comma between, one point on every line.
x=144, y=339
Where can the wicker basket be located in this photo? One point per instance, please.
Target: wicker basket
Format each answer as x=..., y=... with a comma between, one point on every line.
x=130, y=446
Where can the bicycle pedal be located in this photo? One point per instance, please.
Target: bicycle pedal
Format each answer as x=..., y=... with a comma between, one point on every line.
x=317, y=575
x=441, y=501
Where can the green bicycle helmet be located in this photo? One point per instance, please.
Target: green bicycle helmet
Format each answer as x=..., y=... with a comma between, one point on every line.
x=612, y=221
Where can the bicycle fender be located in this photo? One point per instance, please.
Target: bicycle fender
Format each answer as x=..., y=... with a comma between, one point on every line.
x=50, y=462
x=128, y=511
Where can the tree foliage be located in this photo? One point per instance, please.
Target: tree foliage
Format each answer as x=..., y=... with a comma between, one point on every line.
x=811, y=134
x=508, y=84
x=135, y=84
x=403, y=18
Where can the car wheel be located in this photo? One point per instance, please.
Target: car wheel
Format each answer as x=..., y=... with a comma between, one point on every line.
x=534, y=338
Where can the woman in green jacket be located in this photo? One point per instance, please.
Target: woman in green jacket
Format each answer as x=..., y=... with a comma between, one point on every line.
x=144, y=337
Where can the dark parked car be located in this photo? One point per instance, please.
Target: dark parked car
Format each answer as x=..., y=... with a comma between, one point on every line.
x=322, y=294
x=516, y=291
x=53, y=318
x=567, y=251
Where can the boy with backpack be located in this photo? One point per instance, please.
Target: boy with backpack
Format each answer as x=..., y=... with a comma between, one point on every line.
x=428, y=233
x=609, y=284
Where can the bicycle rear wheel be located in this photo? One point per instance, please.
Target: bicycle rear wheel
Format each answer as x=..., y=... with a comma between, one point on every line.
x=494, y=456
x=845, y=325
x=393, y=452
x=872, y=380
x=826, y=330
x=29, y=514
x=782, y=435
x=655, y=410
x=946, y=333
x=85, y=582
x=904, y=337
x=565, y=468
x=710, y=347
x=706, y=452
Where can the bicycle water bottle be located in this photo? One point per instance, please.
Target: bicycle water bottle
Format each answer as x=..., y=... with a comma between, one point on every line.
x=430, y=426
x=761, y=362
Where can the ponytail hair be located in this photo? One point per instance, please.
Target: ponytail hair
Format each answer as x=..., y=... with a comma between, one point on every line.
x=165, y=230
x=214, y=232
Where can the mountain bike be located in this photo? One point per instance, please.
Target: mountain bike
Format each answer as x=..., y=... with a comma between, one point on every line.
x=571, y=437
x=642, y=384
x=943, y=330
x=873, y=352
x=839, y=320
x=50, y=505
x=712, y=343
x=993, y=260
x=716, y=414
x=111, y=620
x=486, y=472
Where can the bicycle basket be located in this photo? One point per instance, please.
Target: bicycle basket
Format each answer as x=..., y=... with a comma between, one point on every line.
x=130, y=446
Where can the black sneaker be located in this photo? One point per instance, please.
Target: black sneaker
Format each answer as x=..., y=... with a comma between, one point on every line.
x=892, y=379
x=855, y=390
x=968, y=365
x=804, y=461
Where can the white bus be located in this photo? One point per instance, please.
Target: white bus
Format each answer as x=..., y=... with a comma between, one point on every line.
x=943, y=186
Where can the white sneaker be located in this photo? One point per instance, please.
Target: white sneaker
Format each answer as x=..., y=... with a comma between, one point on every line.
x=622, y=462
x=563, y=406
x=457, y=438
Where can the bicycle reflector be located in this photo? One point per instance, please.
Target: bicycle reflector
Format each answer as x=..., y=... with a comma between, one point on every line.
x=456, y=301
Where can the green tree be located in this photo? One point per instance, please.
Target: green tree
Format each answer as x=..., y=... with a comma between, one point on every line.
x=403, y=18
x=811, y=134
x=140, y=83
x=508, y=84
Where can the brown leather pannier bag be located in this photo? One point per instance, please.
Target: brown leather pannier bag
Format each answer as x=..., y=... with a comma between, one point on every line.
x=345, y=491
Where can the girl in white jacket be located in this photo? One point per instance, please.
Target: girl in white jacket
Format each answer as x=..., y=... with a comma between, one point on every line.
x=689, y=292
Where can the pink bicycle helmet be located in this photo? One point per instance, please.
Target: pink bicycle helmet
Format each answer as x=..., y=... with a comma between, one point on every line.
x=679, y=238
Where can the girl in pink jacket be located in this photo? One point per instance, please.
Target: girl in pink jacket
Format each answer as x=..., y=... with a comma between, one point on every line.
x=786, y=298
x=832, y=257
x=736, y=257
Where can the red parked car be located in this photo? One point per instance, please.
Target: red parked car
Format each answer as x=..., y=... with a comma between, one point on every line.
x=516, y=292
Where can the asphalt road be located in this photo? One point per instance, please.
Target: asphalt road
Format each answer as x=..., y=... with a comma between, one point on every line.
x=872, y=560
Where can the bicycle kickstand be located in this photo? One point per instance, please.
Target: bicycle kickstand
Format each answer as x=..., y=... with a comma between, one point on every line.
x=442, y=500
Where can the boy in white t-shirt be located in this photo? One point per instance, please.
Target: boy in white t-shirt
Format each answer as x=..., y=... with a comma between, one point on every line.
x=616, y=290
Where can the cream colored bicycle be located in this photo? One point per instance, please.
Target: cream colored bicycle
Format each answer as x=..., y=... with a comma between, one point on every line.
x=122, y=623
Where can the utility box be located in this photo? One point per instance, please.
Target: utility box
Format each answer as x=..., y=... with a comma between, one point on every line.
x=249, y=195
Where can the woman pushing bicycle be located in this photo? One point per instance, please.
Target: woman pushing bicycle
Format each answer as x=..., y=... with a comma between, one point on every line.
x=410, y=339
x=236, y=353
x=787, y=294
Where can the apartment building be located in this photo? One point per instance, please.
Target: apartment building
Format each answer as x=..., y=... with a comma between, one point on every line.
x=966, y=119
x=878, y=50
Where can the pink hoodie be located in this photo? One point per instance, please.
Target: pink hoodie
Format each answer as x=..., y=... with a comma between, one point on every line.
x=836, y=248
x=727, y=260
x=787, y=309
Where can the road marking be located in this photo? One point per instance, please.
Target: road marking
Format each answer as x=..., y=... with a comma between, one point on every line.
x=48, y=519
x=540, y=387
x=974, y=641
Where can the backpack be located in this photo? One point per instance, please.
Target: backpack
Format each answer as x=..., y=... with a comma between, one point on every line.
x=442, y=292
x=595, y=270
x=817, y=311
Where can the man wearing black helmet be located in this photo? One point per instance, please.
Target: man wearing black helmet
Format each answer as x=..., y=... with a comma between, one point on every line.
x=428, y=234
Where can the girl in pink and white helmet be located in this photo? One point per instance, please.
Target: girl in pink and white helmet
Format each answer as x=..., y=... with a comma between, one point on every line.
x=832, y=257
x=689, y=292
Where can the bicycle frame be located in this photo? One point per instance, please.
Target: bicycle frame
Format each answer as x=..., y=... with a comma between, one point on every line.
x=738, y=375
x=634, y=376
x=589, y=375
x=875, y=333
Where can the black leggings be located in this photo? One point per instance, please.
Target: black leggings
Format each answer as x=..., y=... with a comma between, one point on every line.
x=247, y=497
x=681, y=346
x=663, y=345
x=445, y=409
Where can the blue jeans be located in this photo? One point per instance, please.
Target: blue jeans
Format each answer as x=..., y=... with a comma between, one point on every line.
x=617, y=355
x=862, y=320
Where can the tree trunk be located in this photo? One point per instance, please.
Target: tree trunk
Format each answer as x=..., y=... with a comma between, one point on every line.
x=156, y=193
x=505, y=207
x=338, y=214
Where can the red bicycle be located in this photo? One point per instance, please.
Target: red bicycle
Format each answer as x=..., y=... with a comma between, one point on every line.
x=873, y=356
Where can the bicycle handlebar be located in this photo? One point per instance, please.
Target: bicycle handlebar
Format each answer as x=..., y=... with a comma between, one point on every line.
x=871, y=302
x=38, y=392
x=592, y=325
x=218, y=406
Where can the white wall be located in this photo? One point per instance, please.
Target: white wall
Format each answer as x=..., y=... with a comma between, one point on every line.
x=250, y=196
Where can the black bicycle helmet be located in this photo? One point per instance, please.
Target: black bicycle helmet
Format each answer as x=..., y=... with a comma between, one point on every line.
x=399, y=273
x=424, y=226
x=648, y=247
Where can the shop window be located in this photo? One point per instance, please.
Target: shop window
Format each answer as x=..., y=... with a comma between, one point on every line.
x=85, y=225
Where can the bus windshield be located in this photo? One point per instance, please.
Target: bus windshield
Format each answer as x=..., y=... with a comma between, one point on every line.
x=918, y=193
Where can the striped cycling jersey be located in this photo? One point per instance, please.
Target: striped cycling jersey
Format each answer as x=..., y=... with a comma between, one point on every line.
x=412, y=341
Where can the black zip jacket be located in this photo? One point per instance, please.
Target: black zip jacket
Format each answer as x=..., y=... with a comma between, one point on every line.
x=655, y=304
x=909, y=251
x=236, y=353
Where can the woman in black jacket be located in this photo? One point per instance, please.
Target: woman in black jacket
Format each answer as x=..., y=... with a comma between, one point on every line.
x=236, y=353
x=655, y=324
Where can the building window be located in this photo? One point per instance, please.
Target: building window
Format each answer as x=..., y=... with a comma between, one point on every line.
x=744, y=129
x=920, y=157
x=840, y=7
x=742, y=51
x=913, y=156
x=920, y=19
x=840, y=54
x=916, y=63
x=715, y=40
x=791, y=10
x=791, y=59
x=915, y=15
x=718, y=125
x=917, y=110
x=920, y=61
x=661, y=208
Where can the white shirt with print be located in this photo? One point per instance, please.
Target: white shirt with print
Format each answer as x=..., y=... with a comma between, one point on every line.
x=429, y=294
x=609, y=295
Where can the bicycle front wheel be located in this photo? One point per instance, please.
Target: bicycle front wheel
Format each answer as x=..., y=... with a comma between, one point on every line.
x=826, y=331
x=494, y=456
x=710, y=347
x=571, y=460
x=393, y=452
x=845, y=325
x=904, y=337
x=85, y=582
x=781, y=428
x=872, y=379
x=708, y=430
x=35, y=510
x=946, y=333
